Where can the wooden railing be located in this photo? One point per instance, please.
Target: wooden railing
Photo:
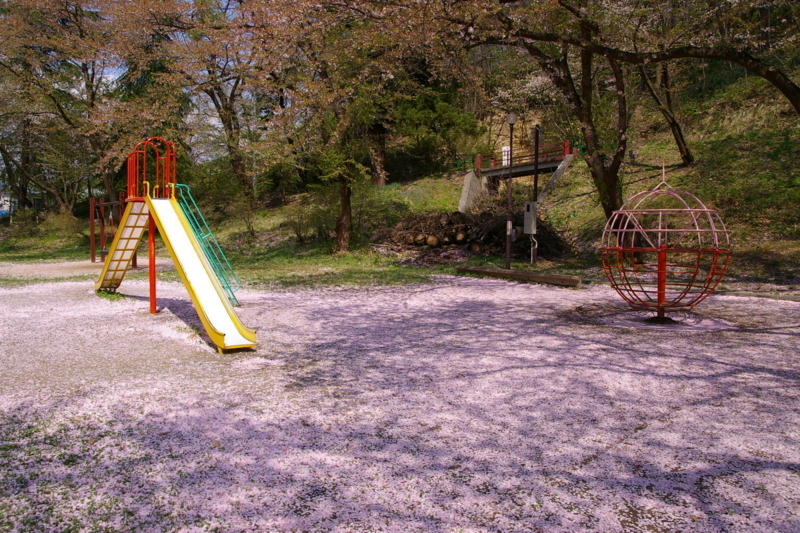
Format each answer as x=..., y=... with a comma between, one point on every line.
x=547, y=153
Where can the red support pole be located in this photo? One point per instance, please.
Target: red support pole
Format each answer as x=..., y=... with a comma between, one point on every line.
x=102, y=226
x=662, y=279
x=92, y=249
x=151, y=244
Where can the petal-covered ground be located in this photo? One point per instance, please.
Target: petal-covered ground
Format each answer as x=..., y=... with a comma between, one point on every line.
x=465, y=405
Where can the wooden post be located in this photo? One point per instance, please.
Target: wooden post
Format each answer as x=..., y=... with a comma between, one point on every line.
x=151, y=245
x=102, y=227
x=92, y=249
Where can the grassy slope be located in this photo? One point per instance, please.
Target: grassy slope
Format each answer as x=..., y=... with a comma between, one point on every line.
x=275, y=257
x=55, y=238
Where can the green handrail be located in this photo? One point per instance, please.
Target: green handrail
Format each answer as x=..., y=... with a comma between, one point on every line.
x=211, y=248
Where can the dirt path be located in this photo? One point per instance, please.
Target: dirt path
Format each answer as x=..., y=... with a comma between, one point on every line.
x=62, y=269
x=463, y=405
x=49, y=270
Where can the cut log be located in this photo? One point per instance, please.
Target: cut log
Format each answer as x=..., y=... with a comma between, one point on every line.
x=475, y=247
x=461, y=237
x=420, y=238
x=432, y=241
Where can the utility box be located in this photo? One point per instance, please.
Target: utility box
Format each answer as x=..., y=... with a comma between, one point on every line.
x=529, y=224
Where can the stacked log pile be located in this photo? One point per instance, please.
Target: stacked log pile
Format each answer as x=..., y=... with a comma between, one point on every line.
x=483, y=234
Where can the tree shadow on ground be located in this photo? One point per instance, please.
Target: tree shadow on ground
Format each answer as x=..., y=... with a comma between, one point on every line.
x=427, y=409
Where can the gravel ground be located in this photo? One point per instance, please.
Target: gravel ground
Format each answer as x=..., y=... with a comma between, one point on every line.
x=467, y=404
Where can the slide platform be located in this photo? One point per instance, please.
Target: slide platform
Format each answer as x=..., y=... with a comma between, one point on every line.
x=215, y=311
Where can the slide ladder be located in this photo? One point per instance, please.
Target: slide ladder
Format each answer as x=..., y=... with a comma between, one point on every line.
x=126, y=241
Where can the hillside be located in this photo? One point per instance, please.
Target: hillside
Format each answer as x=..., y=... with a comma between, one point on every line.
x=746, y=140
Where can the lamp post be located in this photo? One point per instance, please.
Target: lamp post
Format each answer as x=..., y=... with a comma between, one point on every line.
x=511, y=119
x=536, y=132
x=535, y=245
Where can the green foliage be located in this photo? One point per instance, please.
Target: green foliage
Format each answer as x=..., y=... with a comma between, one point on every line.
x=431, y=194
x=25, y=223
x=44, y=236
x=282, y=180
x=751, y=178
x=429, y=129
x=214, y=186
x=712, y=79
x=110, y=295
x=314, y=216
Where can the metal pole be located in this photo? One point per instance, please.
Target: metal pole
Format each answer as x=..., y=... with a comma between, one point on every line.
x=509, y=186
x=536, y=130
x=534, y=244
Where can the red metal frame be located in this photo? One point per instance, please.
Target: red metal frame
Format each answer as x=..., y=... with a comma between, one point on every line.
x=156, y=158
x=664, y=250
x=160, y=154
x=99, y=216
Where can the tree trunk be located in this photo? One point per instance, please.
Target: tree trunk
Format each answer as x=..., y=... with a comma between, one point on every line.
x=344, y=224
x=664, y=104
x=64, y=204
x=604, y=167
x=377, y=154
x=225, y=105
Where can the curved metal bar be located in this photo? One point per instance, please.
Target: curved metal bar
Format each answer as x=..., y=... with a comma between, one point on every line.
x=664, y=250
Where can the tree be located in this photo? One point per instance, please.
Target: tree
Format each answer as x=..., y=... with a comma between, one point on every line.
x=233, y=57
x=33, y=154
x=635, y=32
x=65, y=58
x=17, y=169
x=573, y=41
x=47, y=164
x=340, y=100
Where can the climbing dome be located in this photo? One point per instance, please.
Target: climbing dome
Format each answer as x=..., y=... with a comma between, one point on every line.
x=664, y=250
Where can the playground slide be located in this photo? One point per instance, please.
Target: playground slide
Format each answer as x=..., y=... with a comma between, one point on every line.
x=126, y=241
x=215, y=311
